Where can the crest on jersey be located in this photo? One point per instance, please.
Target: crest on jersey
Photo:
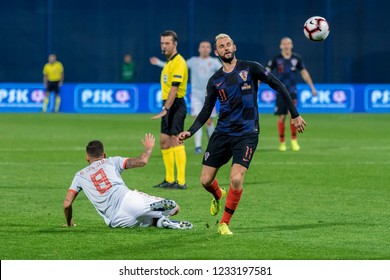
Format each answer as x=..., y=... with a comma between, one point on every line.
x=294, y=62
x=206, y=156
x=244, y=75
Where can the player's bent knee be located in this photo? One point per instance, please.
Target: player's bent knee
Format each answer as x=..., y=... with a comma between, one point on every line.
x=206, y=181
x=237, y=180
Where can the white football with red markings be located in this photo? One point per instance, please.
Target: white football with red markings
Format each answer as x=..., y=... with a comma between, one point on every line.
x=316, y=28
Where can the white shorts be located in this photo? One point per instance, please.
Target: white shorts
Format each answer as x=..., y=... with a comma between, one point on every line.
x=135, y=211
x=197, y=105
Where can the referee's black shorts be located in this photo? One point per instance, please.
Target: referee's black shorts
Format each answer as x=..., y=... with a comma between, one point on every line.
x=173, y=122
x=281, y=106
x=53, y=86
x=222, y=148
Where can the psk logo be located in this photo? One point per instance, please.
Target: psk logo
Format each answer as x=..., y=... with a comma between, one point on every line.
x=122, y=96
x=244, y=75
x=38, y=95
x=339, y=96
x=206, y=156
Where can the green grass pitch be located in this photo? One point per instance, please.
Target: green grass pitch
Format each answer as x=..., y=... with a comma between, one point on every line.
x=328, y=201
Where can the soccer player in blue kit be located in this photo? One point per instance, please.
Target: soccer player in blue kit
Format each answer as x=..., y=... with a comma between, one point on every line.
x=288, y=64
x=235, y=85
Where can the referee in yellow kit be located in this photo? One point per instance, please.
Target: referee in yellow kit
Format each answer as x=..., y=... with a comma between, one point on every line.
x=53, y=78
x=174, y=77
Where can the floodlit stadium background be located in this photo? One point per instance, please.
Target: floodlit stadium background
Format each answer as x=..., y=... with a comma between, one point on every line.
x=90, y=37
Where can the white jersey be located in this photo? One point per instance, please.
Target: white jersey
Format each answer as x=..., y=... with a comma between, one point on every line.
x=103, y=185
x=201, y=71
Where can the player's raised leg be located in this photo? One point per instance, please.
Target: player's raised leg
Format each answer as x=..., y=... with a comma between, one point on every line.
x=210, y=183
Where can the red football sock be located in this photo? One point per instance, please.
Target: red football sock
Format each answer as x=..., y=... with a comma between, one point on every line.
x=293, y=131
x=232, y=200
x=281, y=131
x=292, y=127
x=214, y=189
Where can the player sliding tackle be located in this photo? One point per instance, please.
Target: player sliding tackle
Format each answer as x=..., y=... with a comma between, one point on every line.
x=235, y=85
x=119, y=206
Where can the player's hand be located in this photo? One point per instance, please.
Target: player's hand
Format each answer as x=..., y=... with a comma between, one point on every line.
x=313, y=92
x=159, y=115
x=148, y=141
x=299, y=124
x=154, y=60
x=183, y=136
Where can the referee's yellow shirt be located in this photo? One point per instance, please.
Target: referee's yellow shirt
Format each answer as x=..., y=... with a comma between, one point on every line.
x=53, y=71
x=174, y=71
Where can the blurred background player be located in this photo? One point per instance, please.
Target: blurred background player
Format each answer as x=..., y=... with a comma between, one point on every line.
x=236, y=135
x=287, y=65
x=119, y=206
x=174, y=77
x=202, y=68
x=128, y=69
x=53, y=78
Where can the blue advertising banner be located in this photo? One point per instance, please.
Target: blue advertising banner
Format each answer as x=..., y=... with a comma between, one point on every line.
x=377, y=98
x=21, y=97
x=329, y=99
x=146, y=98
x=109, y=98
x=266, y=99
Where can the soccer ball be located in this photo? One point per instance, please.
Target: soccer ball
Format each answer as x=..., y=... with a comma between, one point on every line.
x=316, y=28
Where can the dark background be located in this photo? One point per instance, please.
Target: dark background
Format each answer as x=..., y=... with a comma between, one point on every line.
x=91, y=37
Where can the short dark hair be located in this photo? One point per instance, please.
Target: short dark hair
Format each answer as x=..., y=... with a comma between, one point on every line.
x=170, y=33
x=95, y=149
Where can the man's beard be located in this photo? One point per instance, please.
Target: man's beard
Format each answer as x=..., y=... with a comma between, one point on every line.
x=227, y=60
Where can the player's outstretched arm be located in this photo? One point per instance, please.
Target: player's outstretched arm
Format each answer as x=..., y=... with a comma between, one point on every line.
x=306, y=77
x=148, y=142
x=299, y=123
x=155, y=61
x=70, y=197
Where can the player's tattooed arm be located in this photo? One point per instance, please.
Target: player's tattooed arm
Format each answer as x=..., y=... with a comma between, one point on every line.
x=68, y=210
x=140, y=161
